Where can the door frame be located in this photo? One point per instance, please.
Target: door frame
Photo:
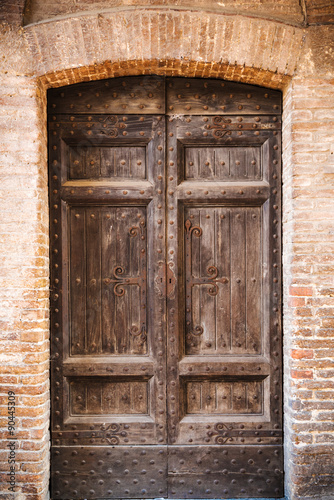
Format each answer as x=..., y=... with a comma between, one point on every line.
x=208, y=79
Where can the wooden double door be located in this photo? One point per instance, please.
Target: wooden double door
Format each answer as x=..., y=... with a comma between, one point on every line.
x=165, y=289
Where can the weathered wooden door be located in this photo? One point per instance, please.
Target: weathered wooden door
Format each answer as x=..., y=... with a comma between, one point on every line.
x=165, y=278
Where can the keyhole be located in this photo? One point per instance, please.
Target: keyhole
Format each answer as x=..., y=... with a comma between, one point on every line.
x=170, y=280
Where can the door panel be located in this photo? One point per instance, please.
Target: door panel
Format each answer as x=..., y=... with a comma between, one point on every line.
x=224, y=472
x=222, y=322
x=223, y=280
x=107, y=365
x=165, y=278
x=108, y=162
x=110, y=471
x=107, y=271
x=222, y=163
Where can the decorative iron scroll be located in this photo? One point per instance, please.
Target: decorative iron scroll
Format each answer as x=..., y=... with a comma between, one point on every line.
x=110, y=125
x=120, y=282
x=219, y=124
x=211, y=280
x=221, y=431
x=224, y=433
x=139, y=333
x=110, y=433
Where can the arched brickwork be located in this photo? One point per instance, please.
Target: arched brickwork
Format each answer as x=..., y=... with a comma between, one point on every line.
x=168, y=42
x=164, y=42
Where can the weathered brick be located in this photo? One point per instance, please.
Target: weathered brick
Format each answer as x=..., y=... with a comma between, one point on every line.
x=302, y=374
x=301, y=291
x=302, y=353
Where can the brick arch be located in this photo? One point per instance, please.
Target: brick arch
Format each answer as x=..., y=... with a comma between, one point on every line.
x=167, y=67
x=173, y=42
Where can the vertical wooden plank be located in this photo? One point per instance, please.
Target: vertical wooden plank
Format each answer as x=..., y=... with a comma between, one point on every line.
x=107, y=164
x=123, y=163
x=94, y=398
x=207, y=262
x=109, y=399
x=191, y=163
x=222, y=163
x=208, y=397
x=237, y=163
x=93, y=163
x=207, y=163
x=138, y=163
x=239, y=397
x=253, y=163
x=253, y=280
x=93, y=256
x=124, y=397
x=77, y=398
x=223, y=400
x=77, y=280
x=193, y=342
x=238, y=267
x=254, y=397
x=108, y=262
x=137, y=244
x=193, y=397
x=223, y=300
x=139, y=397
x=76, y=162
x=122, y=301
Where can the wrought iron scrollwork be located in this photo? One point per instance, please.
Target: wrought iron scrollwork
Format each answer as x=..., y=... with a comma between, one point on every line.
x=219, y=126
x=197, y=230
x=221, y=431
x=211, y=279
x=110, y=125
x=118, y=271
x=111, y=433
x=135, y=230
x=121, y=281
x=139, y=333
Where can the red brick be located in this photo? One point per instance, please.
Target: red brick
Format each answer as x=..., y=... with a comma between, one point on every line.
x=301, y=373
x=299, y=291
x=302, y=353
x=296, y=301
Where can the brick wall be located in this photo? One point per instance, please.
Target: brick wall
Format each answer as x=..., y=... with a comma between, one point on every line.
x=24, y=289
x=69, y=51
x=309, y=287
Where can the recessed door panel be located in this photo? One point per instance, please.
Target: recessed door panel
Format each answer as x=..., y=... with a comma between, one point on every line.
x=107, y=271
x=223, y=163
x=93, y=162
x=223, y=275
